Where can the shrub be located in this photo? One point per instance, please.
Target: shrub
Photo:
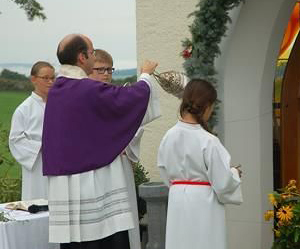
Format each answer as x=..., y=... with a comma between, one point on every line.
x=140, y=177
x=10, y=187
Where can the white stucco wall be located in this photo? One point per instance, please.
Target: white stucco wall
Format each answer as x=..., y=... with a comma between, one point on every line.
x=161, y=26
x=246, y=72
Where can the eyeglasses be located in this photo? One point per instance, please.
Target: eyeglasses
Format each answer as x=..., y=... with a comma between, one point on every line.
x=46, y=78
x=92, y=52
x=101, y=70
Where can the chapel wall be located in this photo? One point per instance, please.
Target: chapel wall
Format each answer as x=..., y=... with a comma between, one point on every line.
x=246, y=73
x=161, y=26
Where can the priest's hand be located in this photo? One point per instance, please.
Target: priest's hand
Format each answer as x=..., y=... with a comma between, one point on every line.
x=148, y=66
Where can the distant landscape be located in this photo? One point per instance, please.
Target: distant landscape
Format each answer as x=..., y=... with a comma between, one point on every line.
x=24, y=68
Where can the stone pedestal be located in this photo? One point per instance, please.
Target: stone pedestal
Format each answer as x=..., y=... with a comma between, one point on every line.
x=156, y=196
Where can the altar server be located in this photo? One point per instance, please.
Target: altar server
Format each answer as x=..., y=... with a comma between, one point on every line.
x=102, y=71
x=25, y=136
x=196, y=167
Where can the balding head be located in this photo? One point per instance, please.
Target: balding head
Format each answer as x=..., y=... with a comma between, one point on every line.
x=67, y=39
x=71, y=46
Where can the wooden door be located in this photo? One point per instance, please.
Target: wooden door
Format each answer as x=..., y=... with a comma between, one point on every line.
x=290, y=118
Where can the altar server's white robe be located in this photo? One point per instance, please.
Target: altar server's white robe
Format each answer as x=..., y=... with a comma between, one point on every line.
x=196, y=213
x=133, y=155
x=94, y=204
x=25, y=145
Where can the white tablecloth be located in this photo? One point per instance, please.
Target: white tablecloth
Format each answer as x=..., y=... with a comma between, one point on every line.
x=27, y=231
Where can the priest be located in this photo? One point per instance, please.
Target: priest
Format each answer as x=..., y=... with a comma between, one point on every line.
x=87, y=126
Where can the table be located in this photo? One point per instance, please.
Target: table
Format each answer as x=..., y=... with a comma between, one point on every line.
x=26, y=231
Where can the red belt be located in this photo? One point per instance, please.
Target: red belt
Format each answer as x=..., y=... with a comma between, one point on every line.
x=190, y=183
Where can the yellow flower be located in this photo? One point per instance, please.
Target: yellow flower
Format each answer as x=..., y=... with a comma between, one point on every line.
x=272, y=199
x=291, y=187
x=292, y=183
x=285, y=196
x=277, y=232
x=285, y=213
x=269, y=215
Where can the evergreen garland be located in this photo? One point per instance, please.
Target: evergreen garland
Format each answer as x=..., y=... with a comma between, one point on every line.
x=207, y=30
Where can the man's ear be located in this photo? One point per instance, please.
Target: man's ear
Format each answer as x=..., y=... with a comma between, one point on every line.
x=81, y=58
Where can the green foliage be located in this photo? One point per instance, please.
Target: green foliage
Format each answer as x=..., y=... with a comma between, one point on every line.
x=32, y=9
x=140, y=177
x=286, y=216
x=3, y=218
x=15, y=85
x=12, y=81
x=140, y=174
x=10, y=174
x=10, y=190
x=10, y=187
x=8, y=103
x=208, y=28
x=121, y=82
x=7, y=74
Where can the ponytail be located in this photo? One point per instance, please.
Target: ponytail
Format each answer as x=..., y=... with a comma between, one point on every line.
x=197, y=97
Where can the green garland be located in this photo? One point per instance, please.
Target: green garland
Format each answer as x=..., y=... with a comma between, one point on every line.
x=208, y=28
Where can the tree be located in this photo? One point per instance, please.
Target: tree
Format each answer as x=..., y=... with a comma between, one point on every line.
x=32, y=9
x=7, y=74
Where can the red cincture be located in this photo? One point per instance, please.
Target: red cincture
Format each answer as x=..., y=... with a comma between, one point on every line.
x=190, y=183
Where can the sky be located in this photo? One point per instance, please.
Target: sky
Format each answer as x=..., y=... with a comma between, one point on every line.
x=110, y=25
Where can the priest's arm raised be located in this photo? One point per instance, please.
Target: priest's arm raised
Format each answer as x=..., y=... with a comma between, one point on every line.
x=152, y=113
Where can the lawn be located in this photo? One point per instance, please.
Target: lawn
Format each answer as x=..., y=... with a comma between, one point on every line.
x=8, y=103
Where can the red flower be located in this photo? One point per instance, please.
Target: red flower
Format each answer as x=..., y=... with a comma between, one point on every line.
x=187, y=53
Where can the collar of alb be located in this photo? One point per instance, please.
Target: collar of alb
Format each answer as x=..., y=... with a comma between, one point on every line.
x=73, y=72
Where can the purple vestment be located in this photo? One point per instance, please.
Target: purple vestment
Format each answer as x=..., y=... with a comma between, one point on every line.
x=88, y=123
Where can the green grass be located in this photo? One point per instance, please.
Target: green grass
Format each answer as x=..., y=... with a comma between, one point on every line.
x=8, y=103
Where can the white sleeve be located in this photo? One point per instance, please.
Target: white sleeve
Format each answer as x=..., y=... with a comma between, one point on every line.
x=153, y=110
x=164, y=175
x=161, y=162
x=224, y=180
x=133, y=148
x=23, y=149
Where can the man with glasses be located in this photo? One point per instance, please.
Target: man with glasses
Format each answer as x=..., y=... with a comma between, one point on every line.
x=25, y=136
x=87, y=126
